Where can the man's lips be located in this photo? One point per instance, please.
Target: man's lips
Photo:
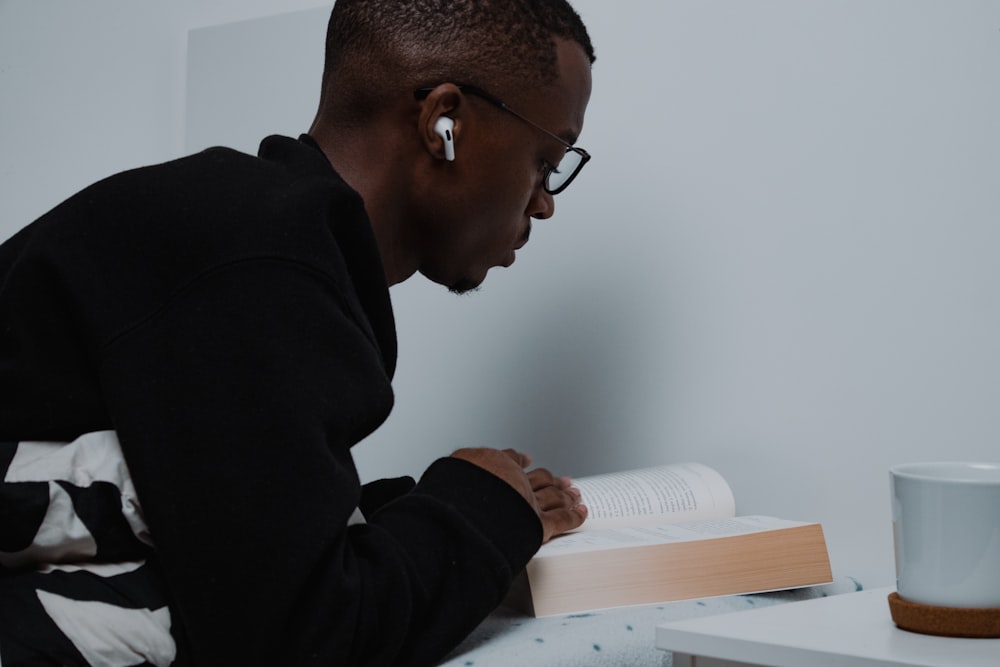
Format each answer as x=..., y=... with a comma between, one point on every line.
x=521, y=242
x=524, y=237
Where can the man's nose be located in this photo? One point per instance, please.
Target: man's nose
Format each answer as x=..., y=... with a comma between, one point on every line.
x=542, y=206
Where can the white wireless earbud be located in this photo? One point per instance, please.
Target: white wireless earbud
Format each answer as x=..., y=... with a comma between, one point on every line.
x=444, y=127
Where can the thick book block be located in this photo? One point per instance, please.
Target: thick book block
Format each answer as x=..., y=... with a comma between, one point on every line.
x=791, y=556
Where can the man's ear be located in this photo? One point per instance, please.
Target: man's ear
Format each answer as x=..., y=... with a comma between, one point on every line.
x=440, y=121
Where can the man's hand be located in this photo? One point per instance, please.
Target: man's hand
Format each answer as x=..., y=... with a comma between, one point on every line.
x=554, y=499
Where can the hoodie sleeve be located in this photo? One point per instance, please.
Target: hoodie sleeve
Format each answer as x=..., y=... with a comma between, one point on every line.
x=236, y=406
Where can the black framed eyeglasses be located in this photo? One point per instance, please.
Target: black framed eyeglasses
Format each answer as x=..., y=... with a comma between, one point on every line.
x=556, y=178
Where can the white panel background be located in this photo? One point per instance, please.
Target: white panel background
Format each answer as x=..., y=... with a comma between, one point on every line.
x=781, y=261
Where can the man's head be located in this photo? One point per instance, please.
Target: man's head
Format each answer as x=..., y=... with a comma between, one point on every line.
x=508, y=75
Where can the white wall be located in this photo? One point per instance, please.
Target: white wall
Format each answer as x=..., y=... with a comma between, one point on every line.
x=90, y=88
x=781, y=261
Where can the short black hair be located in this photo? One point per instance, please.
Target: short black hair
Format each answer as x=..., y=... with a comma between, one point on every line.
x=376, y=48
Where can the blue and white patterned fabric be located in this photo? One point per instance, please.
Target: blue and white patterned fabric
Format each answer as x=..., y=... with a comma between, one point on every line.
x=618, y=637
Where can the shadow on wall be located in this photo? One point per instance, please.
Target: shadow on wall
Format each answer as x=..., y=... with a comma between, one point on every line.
x=578, y=382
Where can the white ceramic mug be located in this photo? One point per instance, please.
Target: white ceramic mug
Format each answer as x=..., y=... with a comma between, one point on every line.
x=946, y=533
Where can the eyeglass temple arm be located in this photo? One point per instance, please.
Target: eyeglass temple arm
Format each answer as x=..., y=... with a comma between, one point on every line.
x=422, y=93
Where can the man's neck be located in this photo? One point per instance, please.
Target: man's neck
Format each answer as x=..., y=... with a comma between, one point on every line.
x=371, y=173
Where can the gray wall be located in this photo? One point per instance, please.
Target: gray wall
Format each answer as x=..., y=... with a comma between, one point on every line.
x=780, y=261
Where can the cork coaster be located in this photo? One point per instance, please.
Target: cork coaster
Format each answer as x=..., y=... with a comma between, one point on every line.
x=944, y=621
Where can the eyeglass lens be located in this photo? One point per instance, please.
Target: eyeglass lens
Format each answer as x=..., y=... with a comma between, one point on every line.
x=564, y=171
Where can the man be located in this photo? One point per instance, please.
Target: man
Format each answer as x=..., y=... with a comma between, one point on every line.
x=188, y=352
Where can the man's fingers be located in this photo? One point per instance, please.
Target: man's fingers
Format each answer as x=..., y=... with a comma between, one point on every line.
x=554, y=499
x=540, y=478
x=553, y=496
x=558, y=501
x=557, y=522
x=521, y=458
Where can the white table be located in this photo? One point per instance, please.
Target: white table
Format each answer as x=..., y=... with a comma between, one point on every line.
x=850, y=630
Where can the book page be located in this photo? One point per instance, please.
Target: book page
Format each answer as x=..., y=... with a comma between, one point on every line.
x=665, y=533
x=676, y=492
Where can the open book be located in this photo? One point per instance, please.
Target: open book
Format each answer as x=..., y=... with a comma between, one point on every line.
x=662, y=534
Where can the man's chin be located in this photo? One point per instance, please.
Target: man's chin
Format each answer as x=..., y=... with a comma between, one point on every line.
x=464, y=287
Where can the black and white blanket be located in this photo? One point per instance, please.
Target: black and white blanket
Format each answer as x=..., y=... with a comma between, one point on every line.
x=78, y=581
